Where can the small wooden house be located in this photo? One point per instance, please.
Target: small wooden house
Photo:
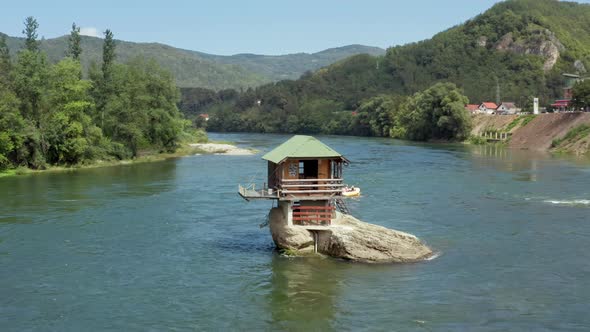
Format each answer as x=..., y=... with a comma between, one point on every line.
x=305, y=176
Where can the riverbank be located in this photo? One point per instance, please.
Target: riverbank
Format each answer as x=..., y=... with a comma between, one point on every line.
x=554, y=132
x=221, y=148
x=190, y=149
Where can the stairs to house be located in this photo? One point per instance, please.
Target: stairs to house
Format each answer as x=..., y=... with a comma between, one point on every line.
x=341, y=205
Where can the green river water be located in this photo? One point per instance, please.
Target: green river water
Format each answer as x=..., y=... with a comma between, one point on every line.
x=170, y=246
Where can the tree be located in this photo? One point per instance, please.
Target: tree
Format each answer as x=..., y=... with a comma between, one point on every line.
x=30, y=79
x=5, y=62
x=30, y=32
x=74, y=43
x=104, y=84
x=68, y=124
x=581, y=94
x=374, y=116
x=437, y=113
x=108, y=54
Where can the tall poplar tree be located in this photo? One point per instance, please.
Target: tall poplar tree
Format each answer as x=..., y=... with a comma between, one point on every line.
x=30, y=33
x=74, y=43
x=5, y=63
x=105, y=84
x=108, y=55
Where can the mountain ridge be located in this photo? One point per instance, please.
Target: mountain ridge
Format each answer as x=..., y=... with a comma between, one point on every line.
x=199, y=69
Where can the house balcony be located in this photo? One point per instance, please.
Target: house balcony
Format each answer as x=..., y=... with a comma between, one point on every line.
x=318, y=189
x=296, y=189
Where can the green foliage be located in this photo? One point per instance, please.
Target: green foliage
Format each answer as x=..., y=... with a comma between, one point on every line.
x=5, y=62
x=377, y=116
x=437, y=113
x=513, y=124
x=581, y=94
x=68, y=125
x=108, y=54
x=526, y=119
x=476, y=140
x=74, y=43
x=573, y=135
x=30, y=32
x=48, y=113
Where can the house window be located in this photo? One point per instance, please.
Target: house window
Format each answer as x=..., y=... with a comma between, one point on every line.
x=301, y=169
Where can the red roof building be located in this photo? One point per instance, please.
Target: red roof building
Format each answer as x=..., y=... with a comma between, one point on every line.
x=562, y=105
x=488, y=107
x=472, y=108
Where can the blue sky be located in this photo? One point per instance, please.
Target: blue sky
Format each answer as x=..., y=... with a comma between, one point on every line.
x=255, y=26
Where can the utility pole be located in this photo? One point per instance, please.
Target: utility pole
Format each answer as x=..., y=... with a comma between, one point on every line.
x=498, y=101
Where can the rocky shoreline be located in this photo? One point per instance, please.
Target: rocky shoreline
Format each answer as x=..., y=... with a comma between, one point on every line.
x=222, y=149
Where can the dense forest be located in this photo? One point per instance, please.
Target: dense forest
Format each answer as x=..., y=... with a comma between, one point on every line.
x=51, y=115
x=518, y=49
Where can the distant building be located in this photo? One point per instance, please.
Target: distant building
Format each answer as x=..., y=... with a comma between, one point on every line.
x=472, y=108
x=507, y=108
x=565, y=104
x=570, y=81
x=488, y=108
x=204, y=116
x=562, y=105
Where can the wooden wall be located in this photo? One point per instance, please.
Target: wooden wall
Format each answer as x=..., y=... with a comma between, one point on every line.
x=291, y=164
x=324, y=169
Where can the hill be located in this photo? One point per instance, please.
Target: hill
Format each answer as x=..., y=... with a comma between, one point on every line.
x=519, y=47
x=291, y=66
x=197, y=69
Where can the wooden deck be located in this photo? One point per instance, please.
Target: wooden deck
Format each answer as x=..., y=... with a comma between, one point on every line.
x=296, y=189
x=249, y=193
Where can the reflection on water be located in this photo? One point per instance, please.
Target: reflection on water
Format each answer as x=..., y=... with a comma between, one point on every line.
x=69, y=191
x=523, y=164
x=304, y=293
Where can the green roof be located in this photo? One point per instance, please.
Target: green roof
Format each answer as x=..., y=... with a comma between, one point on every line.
x=300, y=146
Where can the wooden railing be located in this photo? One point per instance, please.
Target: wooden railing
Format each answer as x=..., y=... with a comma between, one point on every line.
x=295, y=189
x=313, y=215
x=306, y=187
x=250, y=192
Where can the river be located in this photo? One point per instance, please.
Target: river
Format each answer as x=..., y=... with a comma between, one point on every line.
x=171, y=246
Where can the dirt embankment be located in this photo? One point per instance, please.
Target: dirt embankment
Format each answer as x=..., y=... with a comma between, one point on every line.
x=538, y=132
x=545, y=128
x=482, y=123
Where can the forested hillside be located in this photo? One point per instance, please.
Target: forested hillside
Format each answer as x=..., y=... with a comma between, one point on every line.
x=197, y=69
x=519, y=47
x=292, y=66
x=50, y=115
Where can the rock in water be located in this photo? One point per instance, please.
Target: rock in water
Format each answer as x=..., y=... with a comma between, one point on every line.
x=352, y=239
x=355, y=240
x=289, y=237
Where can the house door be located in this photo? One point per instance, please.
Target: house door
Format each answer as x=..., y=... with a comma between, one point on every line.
x=308, y=169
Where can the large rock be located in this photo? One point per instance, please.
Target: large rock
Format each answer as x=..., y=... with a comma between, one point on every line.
x=289, y=237
x=351, y=239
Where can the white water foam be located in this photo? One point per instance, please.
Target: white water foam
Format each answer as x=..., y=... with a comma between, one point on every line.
x=569, y=202
x=434, y=256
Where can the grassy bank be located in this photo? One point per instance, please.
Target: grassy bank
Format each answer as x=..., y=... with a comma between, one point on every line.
x=145, y=157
